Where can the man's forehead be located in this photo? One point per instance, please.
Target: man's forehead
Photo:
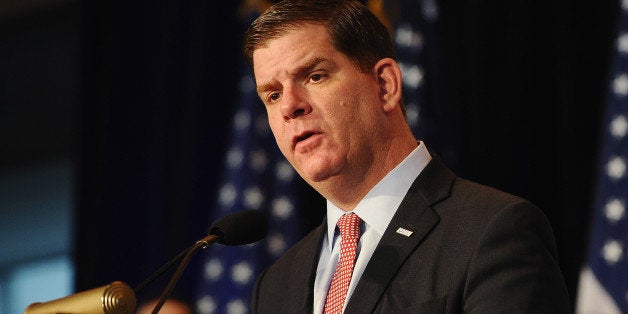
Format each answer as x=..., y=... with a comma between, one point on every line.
x=296, y=49
x=296, y=70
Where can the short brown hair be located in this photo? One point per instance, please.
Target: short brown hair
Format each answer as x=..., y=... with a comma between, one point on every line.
x=352, y=28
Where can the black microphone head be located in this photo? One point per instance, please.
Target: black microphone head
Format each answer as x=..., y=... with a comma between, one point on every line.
x=240, y=228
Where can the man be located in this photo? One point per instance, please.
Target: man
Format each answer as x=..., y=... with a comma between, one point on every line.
x=427, y=241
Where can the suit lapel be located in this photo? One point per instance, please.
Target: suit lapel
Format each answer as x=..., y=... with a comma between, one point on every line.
x=415, y=215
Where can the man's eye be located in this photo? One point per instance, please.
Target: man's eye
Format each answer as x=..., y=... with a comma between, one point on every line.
x=316, y=77
x=273, y=97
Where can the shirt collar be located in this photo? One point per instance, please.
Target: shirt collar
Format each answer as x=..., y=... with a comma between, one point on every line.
x=380, y=204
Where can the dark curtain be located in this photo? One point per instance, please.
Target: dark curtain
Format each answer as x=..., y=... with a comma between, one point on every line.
x=160, y=83
x=522, y=87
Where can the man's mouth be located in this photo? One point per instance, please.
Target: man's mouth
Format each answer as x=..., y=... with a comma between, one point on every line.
x=305, y=136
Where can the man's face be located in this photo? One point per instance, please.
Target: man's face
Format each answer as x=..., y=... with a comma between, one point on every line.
x=324, y=113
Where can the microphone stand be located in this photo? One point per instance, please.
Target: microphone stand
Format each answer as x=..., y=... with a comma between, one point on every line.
x=253, y=221
x=200, y=244
x=160, y=271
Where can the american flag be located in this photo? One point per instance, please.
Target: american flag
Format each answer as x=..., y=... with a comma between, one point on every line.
x=413, y=29
x=256, y=176
x=603, y=286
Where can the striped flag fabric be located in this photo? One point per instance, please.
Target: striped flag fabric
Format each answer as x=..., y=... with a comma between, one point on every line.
x=256, y=175
x=603, y=286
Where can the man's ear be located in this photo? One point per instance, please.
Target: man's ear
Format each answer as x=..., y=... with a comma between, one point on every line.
x=389, y=79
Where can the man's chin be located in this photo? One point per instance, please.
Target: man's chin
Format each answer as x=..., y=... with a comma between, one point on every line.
x=317, y=175
x=319, y=168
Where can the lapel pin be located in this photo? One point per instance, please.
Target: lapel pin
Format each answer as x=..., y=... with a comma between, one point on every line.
x=405, y=232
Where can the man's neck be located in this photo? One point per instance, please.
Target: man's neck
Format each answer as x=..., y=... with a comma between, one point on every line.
x=346, y=191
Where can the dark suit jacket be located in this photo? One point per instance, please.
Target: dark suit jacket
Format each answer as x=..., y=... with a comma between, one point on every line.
x=473, y=250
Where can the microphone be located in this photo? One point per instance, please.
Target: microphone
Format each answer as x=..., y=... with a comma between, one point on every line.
x=116, y=297
x=240, y=228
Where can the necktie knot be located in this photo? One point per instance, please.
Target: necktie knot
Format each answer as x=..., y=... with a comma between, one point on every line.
x=349, y=226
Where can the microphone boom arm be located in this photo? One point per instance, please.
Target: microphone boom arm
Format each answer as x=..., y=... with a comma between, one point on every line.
x=200, y=244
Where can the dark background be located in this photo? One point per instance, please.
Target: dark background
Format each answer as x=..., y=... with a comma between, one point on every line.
x=140, y=95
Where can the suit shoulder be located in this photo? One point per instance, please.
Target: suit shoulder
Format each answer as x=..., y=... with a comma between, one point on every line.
x=476, y=207
x=476, y=194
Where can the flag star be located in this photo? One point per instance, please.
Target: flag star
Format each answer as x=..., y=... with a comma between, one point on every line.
x=236, y=307
x=242, y=120
x=234, y=157
x=253, y=198
x=413, y=75
x=241, y=273
x=258, y=160
x=622, y=43
x=282, y=207
x=616, y=168
x=206, y=305
x=227, y=195
x=405, y=36
x=619, y=126
x=430, y=10
x=620, y=85
x=284, y=171
x=412, y=113
x=276, y=244
x=213, y=269
x=614, y=210
x=612, y=251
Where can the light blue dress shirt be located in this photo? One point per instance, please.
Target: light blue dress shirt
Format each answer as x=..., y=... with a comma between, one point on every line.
x=376, y=210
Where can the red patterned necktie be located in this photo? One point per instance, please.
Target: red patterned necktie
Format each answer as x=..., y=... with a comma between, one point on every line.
x=349, y=225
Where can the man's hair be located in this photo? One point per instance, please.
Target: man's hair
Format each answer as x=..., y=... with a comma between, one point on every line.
x=352, y=28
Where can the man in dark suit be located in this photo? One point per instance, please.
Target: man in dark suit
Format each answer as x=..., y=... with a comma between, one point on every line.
x=411, y=237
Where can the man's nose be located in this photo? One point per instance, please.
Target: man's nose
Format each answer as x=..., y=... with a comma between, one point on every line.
x=294, y=104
